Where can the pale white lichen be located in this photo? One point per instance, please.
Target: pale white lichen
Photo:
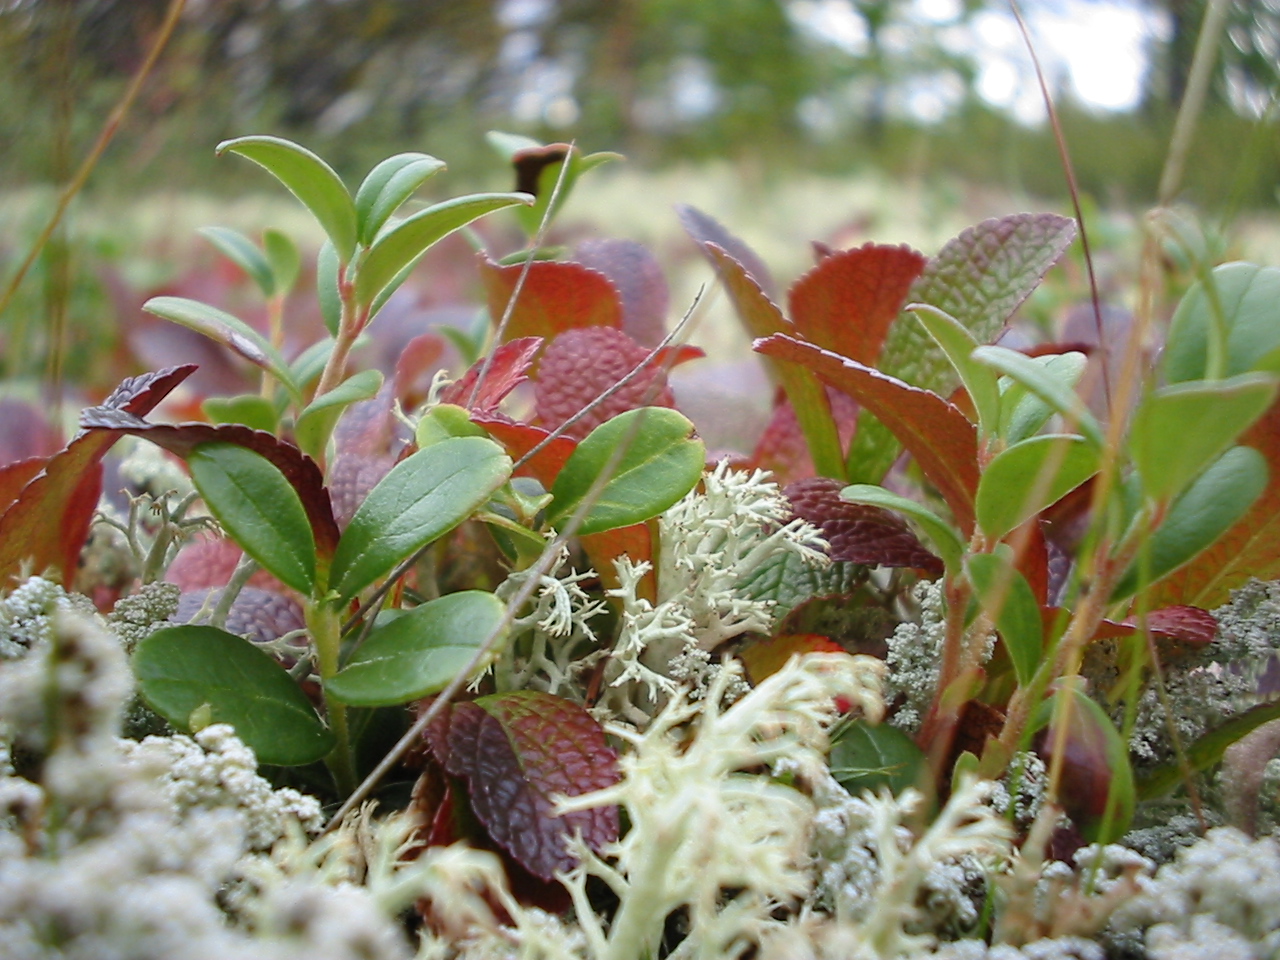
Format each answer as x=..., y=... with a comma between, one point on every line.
x=136, y=616
x=915, y=656
x=26, y=614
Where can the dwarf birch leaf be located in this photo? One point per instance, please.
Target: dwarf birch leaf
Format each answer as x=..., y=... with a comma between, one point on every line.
x=945, y=540
x=557, y=296
x=1008, y=600
x=762, y=318
x=259, y=509
x=51, y=508
x=182, y=670
x=518, y=751
x=508, y=368
x=870, y=756
x=846, y=303
x=315, y=423
x=387, y=186
x=1244, y=301
x=788, y=580
x=309, y=179
x=398, y=248
x=660, y=463
x=230, y=331
x=419, y=652
x=980, y=277
x=1179, y=429
x=935, y=432
x=706, y=232
x=422, y=498
x=241, y=251
x=1027, y=477
x=1223, y=500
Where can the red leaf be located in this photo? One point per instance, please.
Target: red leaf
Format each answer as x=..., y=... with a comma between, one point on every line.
x=705, y=231
x=517, y=751
x=937, y=434
x=1188, y=625
x=209, y=561
x=857, y=532
x=48, y=522
x=260, y=615
x=781, y=448
x=508, y=369
x=1248, y=549
x=15, y=476
x=419, y=358
x=636, y=541
x=846, y=303
x=556, y=297
x=299, y=469
x=635, y=272
x=579, y=365
x=520, y=438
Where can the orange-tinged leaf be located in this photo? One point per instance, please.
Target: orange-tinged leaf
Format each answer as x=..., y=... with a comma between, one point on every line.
x=520, y=438
x=636, y=541
x=556, y=296
x=508, y=369
x=764, y=658
x=15, y=476
x=1250, y=548
x=940, y=437
x=846, y=303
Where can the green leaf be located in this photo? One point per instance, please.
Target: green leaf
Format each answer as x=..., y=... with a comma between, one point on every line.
x=661, y=463
x=789, y=580
x=1045, y=385
x=241, y=251
x=1210, y=506
x=1023, y=479
x=945, y=540
x=868, y=757
x=1022, y=413
x=251, y=409
x=1179, y=429
x=282, y=254
x=509, y=144
x=222, y=327
x=400, y=247
x=327, y=269
x=309, y=179
x=1007, y=598
x=443, y=421
x=387, y=186
x=959, y=344
x=1245, y=299
x=418, y=653
x=309, y=364
x=259, y=509
x=222, y=678
x=316, y=422
x=1207, y=750
x=422, y=498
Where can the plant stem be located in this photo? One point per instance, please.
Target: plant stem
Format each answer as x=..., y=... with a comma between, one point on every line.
x=322, y=623
x=349, y=326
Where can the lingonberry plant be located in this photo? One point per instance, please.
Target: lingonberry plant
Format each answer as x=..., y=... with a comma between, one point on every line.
x=765, y=716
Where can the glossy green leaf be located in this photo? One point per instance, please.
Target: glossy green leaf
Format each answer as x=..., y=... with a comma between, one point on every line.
x=1007, y=599
x=959, y=344
x=241, y=251
x=443, y=421
x=1022, y=480
x=223, y=678
x=422, y=498
x=1179, y=429
x=309, y=364
x=309, y=179
x=868, y=756
x=661, y=462
x=1207, y=750
x=946, y=542
x=316, y=422
x=327, y=269
x=259, y=509
x=1022, y=413
x=1045, y=385
x=1206, y=510
x=286, y=262
x=1245, y=300
x=418, y=653
x=251, y=409
x=222, y=327
x=402, y=245
x=387, y=186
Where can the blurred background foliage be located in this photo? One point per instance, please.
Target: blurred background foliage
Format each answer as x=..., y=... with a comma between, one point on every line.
x=825, y=85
